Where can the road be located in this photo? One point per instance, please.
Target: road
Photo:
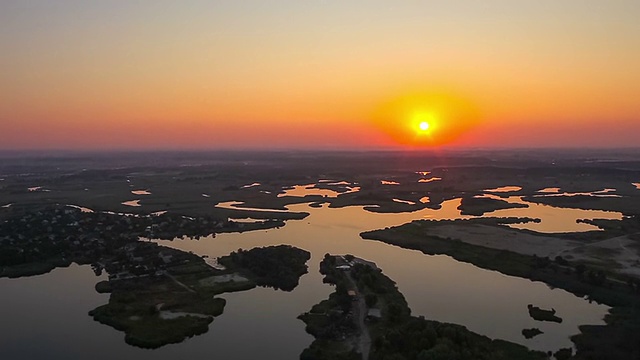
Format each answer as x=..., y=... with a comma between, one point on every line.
x=179, y=283
x=363, y=344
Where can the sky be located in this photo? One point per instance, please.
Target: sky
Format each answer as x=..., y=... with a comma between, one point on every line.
x=158, y=74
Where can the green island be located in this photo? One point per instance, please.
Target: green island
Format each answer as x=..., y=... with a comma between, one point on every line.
x=531, y=333
x=540, y=314
x=477, y=206
x=368, y=318
x=279, y=267
x=619, y=338
x=178, y=300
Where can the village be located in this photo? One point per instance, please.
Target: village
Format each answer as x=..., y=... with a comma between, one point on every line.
x=38, y=241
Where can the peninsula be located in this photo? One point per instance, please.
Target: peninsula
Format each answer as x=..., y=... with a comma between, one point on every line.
x=368, y=318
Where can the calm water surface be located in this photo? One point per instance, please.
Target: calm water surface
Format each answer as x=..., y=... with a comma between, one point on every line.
x=437, y=287
x=310, y=189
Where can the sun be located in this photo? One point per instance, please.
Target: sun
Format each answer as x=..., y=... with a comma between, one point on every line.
x=425, y=118
x=422, y=122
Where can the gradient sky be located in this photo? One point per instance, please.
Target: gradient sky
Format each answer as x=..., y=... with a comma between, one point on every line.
x=317, y=74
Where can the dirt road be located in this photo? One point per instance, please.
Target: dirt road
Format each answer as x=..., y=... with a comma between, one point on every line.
x=363, y=342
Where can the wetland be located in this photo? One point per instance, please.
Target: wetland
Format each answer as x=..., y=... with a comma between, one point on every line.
x=474, y=248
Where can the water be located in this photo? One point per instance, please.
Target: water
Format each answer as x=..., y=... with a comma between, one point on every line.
x=553, y=219
x=45, y=317
x=81, y=208
x=554, y=192
x=48, y=317
x=550, y=190
x=134, y=203
x=404, y=201
x=504, y=189
x=310, y=189
x=429, y=180
x=389, y=182
x=437, y=287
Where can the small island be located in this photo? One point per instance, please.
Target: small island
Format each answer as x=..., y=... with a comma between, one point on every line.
x=279, y=267
x=478, y=206
x=540, y=314
x=531, y=333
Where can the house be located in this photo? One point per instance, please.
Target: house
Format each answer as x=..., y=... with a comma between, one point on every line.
x=166, y=258
x=374, y=313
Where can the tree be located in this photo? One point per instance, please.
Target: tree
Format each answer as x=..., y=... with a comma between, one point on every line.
x=371, y=300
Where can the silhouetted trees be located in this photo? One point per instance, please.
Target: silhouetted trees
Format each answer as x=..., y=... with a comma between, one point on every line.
x=279, y=267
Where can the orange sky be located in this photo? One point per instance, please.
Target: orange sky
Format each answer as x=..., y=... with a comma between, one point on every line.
x=290, y=74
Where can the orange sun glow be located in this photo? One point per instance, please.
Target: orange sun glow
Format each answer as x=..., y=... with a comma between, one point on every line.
x=425, y=119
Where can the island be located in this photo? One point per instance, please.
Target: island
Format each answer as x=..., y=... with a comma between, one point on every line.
x=540, y=314
x=279, y=267
x=477, y=206
x=531, y=333
x=176, y=298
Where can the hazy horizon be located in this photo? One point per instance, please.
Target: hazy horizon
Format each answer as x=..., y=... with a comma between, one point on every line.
x=327, y=149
